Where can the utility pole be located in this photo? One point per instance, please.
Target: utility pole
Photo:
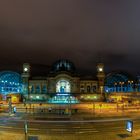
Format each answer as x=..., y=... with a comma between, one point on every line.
x=93, y=108
x=26, y=130
x=69, y=106
x=9, y=105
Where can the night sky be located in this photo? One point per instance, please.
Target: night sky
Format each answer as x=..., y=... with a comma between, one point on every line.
x=84, y=31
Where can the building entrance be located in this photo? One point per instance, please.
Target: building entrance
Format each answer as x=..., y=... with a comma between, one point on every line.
x=63, y=93
x=63, y=86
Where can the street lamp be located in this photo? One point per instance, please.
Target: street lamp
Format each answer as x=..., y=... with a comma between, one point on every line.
x=115, y=88
x=93, y=108
x=69, y=105
x=136, y=86
x=117, y=106
x=130, y=83
x=9, y=104
x=25, y=129
x=121, y=84
x=29, y=91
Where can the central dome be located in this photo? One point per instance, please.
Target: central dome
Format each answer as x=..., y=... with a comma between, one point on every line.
x=63, y=65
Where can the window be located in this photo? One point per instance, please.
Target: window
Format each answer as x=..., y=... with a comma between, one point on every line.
x=94, y=88
x=32, y=89
x=37, y=89
x=82, y=89
x=44, y=89
x=88, y=88
x=63, y=86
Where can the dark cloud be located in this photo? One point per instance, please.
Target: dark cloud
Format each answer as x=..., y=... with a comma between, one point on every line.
x=84, y=31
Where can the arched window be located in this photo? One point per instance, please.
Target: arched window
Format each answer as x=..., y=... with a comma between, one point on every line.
x=37, y=89
x=82, y=89
x=88, y=88
x=94, y=88
x=63, y=86
x=44, y=89
x=32, y=89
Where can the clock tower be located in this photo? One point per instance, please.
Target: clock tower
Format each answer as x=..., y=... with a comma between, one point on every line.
x=101, y=77
x=25, y=79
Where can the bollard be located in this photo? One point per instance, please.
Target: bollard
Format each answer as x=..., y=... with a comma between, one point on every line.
x=26, y=129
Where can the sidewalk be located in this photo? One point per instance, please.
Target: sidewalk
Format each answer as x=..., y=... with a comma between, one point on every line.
x=92, y=136
x=90, y=115
x=80, y=116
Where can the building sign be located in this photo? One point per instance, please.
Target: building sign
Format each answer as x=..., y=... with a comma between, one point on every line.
x=25, y=127
x=129, y=126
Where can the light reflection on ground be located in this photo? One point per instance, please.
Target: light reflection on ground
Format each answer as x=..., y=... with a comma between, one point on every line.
x=63, y=99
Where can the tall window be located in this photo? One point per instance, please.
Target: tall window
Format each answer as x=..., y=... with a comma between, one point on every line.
x=44, y=89
x=37, y=89
x=32, y=89
x=88, y=88
x=82, y=89
x=94, y=88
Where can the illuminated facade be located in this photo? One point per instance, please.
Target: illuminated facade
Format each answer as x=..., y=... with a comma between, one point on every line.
x=64, y=85
x=121, y=82
x=10, y=82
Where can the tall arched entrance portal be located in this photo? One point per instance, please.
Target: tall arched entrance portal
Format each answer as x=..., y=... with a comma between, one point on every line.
x=63, y=86
x=63, y=93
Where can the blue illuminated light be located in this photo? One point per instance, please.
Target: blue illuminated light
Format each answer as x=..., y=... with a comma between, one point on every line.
x=62, y=94
x=129, y=126
x=63, y=98
x=10, y=82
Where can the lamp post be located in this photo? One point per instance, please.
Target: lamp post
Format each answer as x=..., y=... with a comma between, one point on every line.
x=130, y=83
x=121, y=84
x=117, y=106
x=9, y=105
x=69, y=105
x=115, y=89
x=100, y=106
x=93, y=108
x=26, y=130
x=29, y=91
x=123, y=106
x=136, y=87
x=4, y=90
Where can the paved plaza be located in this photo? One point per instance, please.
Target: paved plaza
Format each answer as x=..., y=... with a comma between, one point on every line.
x=35, y=113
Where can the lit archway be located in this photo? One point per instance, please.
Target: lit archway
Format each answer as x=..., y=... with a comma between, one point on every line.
x=63, y=93
x=63, y=86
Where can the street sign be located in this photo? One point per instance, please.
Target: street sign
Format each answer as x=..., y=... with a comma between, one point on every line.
x=129, y=126
x=14, y=109
x=25, y=127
